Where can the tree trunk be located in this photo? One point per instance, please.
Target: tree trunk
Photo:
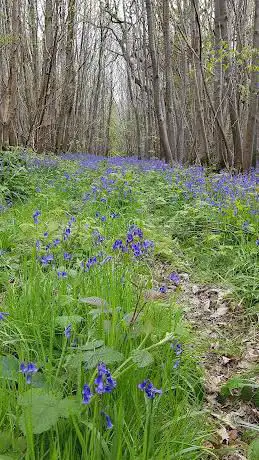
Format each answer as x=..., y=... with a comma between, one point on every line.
x=157, y=86
x=253, y=97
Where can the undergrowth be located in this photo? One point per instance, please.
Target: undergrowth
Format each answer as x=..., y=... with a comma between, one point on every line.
x=90, y=367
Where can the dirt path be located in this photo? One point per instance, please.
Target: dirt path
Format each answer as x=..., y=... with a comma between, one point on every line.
x=228, y=344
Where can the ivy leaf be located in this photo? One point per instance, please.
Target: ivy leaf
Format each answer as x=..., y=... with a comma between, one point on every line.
x=94, y=301
x=63, y=321
x=9, y=367
x=142, y=358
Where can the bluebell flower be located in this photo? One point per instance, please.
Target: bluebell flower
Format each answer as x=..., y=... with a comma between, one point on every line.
x=257, y=242
x=91, y=261
x=67, y=331
x=114, y=215
x=87, y=394
x=37, y=245
x=177, y=347
x=103, y=219
x=129, y=238
x=175, y=278
x=35, y=216
x=28, y=370
x=104, y=381
x=56, y=242
x=62, y=274
x=147, y=244
x=163, y=289
x=103, y=200
x=138, y=232
x=118, y=244
x=108, y=421
x=46, y=234
x=149, y=389
x=3, y=315
x=136, y=248
x=46, y=259
x=67, y=256
x=176, y=364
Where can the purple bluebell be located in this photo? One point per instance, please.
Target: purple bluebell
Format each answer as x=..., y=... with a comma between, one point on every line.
x=114, y=215
x=177, y=347
x=138, y=232
x=108, y=421
x=46, y=234
x=149, y=389
x=104, y=381
x=67, y=256
x=35, y=216
x=62, y=274
x=91, y=261
x=175, y=278
x=136, y=248
x=3, y=315
x=56, y=242
x=257, y=242
x=118, y=244
x=176, y=364
x=147, y=244
x=163, y=289
x=45, y=260
x=37, y=245
x=28, y=370
x=67, y=331
x=87, y=394
x=129, y=238
x=103, y=218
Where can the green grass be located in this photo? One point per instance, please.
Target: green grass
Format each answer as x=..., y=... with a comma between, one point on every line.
x=132, y=335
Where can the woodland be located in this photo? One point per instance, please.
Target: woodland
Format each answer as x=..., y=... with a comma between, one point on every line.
x=129, y=230
x=173, y=79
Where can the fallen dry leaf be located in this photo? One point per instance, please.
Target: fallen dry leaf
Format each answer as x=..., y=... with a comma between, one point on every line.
x=221, y=311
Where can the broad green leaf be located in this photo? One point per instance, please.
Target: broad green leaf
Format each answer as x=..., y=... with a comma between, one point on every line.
x=91, y=345
x=9, y=367
x=142, y=358
x=69, y=406
x=94, y=301
x=63, y=321
x=104, y=354
x=41, y=407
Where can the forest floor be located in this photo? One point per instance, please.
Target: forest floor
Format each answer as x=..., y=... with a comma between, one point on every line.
x=150, y=270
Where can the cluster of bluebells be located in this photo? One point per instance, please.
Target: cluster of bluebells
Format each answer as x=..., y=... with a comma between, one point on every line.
x=67, y=230
x=149, y=389
x=104, y=383
x=134, y=243
x=173, y=278
x=28, y=370
x=3, y=315
x=35, y=216
x=177, y=348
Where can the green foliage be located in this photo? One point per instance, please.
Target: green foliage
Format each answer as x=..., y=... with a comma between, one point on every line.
x=41, y=410
x=15, y=181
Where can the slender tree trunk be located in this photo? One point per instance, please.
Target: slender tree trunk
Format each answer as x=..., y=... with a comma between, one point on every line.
x=157, y=86
x=252, y=123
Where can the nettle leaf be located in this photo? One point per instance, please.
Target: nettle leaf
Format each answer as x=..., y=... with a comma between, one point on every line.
x=42, y=410
x=63, y=321
x=104, y=354
x=142, y=358
x=9, y=367
x=94, y=301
